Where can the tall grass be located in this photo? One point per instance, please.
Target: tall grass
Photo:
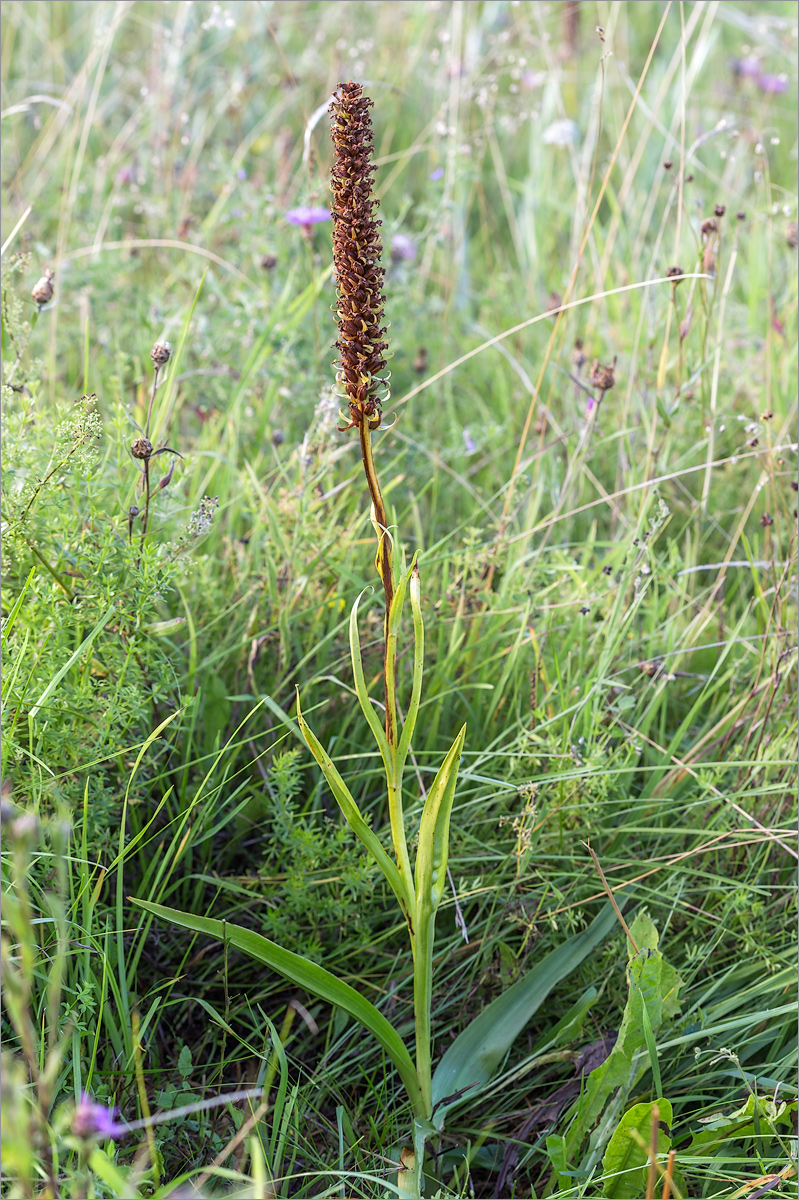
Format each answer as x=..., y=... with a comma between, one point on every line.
x=609, y=587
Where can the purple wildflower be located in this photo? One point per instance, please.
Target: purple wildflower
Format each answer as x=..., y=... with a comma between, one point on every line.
x=306, y=216
x=124, y=175
x=402, y=247
x=749, y=67
x=468, y=443
x=96, y=1120
x=241, y=174
x=437, y=174
x=775, y=84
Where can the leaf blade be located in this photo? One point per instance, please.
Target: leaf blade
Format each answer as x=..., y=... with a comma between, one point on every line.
x=305, y=974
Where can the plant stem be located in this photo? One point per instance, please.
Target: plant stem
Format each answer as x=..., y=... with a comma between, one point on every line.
x=384, y=566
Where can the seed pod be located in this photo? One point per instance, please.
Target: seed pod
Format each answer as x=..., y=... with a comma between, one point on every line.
x=603, y=378
x=43, y=291
x=142, y=448
x=160, y=353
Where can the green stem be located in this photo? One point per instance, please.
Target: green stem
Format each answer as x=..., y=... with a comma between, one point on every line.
x=422, y=1002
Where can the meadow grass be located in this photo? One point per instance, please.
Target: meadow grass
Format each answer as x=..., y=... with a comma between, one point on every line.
x=609, y=588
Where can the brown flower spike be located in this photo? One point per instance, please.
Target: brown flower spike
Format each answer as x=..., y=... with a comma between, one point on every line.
x=356, y=256
x=359, y=282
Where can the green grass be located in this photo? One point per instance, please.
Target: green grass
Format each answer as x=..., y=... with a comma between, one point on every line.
x=606, y=603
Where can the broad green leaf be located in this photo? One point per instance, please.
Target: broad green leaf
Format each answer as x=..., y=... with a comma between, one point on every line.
x=650, y=991
x=305, y=974
x=433, y=852
x=626, y=1161
x=478, y=1051
x=352, y=813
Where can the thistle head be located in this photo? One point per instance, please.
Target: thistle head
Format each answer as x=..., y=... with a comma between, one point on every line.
x=357, y=250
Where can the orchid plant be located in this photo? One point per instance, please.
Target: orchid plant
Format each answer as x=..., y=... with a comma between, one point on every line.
x=472, y=1059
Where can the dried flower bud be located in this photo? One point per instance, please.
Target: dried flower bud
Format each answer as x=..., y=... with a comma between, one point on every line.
x=689, y=178
x=720, y=210
x=269, y=262
x=740, y=215
x=43, y=291
x=767, y=415
x=357, y=250
x=277, y=438
x=709, y=226
x=794, y=485
x=160, y=353
x=675, y=273
x=792, y=234
x=603, y=378
x=167, y=479
x=766, y=520
x=578, y=356
x=133, y=513
x=420, y=362
x=668, y=164
x=142, y=448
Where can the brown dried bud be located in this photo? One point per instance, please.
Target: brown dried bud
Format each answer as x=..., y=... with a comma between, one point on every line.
x=43, y=291
x=689, y=178
x=269, y=262
x=767, y=415
x=160, y=353
x=668, y=164
x=709, y=226
x=142, y=448
x=766, y=520
x=420, y=362
x=578, y=356
x=792, y=234
x=794, y=485
x=740, y=215
x=277, y=438
x=603, y=378
x=720, y=210
x=675, y=273
x=357, y=250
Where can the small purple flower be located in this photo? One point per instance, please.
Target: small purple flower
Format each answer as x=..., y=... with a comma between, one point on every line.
x=124, y=175
x=590, y=406
x=96, y=1120
x=468, y=443
x=241, y=174
x=749, y=67
x=403, y=247
x=305, y=216
x=437, y=174
x=774, y=84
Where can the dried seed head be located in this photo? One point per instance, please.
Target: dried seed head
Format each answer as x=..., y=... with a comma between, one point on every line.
x=766, y=520
x=720, y=210
x=741, y=215
x=142, y=448
x=160, y=353
x=356, y=257
x=420, y=362
x=603, y=378
x=578, y=355
x=43, y=291
x=668, y=164
x=269, y=262
x=675, y=273
x=709, y=226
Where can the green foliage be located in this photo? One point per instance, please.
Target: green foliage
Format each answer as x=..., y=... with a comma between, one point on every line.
x=626, y=1160
x=653, y=998
x=660, y=724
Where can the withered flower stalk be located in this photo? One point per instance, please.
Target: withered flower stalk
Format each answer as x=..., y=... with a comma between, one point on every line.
x=357, y=250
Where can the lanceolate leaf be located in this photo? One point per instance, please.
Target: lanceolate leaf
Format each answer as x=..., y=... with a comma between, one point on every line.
x=305, y=974
x=431, y=858
x=352, y=813
x=477, y=1053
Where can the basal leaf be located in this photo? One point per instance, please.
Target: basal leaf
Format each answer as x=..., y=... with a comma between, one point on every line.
x=479, y=1050
x=305, y=974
